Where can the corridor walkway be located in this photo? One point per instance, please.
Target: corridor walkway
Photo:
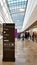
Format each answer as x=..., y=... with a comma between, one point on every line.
x=25, y=53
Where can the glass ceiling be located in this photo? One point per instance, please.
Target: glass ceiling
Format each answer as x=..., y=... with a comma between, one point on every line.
x=17, y=9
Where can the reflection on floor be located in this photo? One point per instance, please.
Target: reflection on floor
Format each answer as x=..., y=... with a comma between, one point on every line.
x=25, y=53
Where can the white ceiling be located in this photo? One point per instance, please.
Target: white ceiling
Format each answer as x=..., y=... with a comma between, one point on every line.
x=30, y=7
x=5, y=14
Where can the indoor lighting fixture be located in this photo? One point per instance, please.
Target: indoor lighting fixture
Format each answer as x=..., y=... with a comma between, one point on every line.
x=34, y=29
x=22, y=10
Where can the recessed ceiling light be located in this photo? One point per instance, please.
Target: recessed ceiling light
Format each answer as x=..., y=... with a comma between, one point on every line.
x=22, y=10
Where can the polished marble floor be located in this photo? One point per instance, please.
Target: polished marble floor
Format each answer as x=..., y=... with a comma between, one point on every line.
x=25, y=53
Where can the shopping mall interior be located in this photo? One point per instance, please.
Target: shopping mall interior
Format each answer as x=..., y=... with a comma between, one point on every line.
x=18, y=32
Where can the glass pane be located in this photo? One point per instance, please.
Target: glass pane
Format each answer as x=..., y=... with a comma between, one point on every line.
x=18, y=9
